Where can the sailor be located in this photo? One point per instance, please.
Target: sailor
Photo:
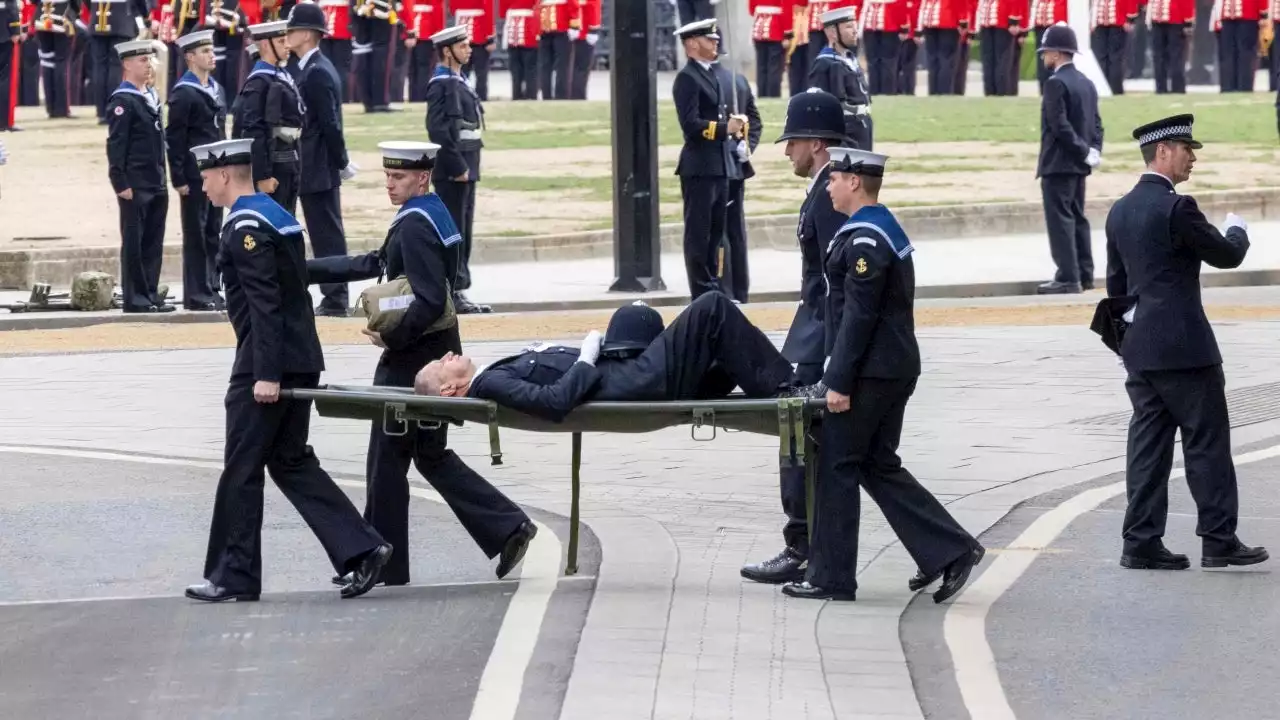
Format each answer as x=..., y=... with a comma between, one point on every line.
x=873, y=363
x=263, y=265
x=708, y=161
x=1156, y=242
x=455, y=119
x=417, y=249
x=323, y=149
x=197, y=116
x=836, y=71
x=815, y=122
x=55, y=29
x=269, y=110
x=110, y=23
x=135, y=164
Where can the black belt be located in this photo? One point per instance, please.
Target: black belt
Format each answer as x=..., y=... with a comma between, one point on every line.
x=284, y=156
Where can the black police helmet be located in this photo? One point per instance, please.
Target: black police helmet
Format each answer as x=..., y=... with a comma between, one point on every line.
x=1059, y=37
x=814, y=113
x=631, y=329
x=308, y=16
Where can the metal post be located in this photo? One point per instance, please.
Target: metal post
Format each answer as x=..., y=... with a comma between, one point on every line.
x=571, y=567
x=637, y=240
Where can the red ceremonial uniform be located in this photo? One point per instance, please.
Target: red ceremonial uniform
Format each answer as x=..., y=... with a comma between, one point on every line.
x=1172, y=12
x=557, y=15
x=476, y=16
x=337, y=13
x=252, y=10
x=1045, y=13
x=945, y=14
x=769, y=19
x=818, y=7
x=889, y=16
x=1000, y=13
x=1238, y=10
x=591, y=14
x=522, y=23
x=1114, y=13
x=423, y=18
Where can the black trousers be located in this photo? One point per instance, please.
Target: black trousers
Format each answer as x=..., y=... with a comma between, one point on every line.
x=178, y=66
x=798, y=70
x=908, y=54
x=738, y=274
x=80, y=72
x=323, y=212
x=962, y=65
x=339, y=53
x=479, y=69
x=769, y=69
x=524, y=73
x=104, y=70
x=1273, y=56
x=1111, y=47
x=882, y=62
x=691, y=10
x=1070, y=239
x=373, y=67
x=55, y=50
x=274, y=436
x=1169, y=56
x=286, y=194
x=141, y=246
x=1193, y=401
x=486, y=514
x=1237, y=49
x=795, y=533
x=459, y=199
x=860, y=130
x=584, y=56
x=553, y=61
x=999, y=61
x=399, y=63
x=201, y=228
x=705, y=215
x=29, y=74
x=1138, y=43
x=6, y=62
x=422, y=63
x=1042, y=72
x=231, y=51
x=859, y=449
x=817, y=41
x=942, y=56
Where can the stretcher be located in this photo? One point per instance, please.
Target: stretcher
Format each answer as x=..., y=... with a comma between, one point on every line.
x=787, y=419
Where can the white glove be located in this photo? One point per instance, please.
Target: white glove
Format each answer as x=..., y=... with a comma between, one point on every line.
x=574, y=34
x=743, y=153
x=1094, y=158
x=590, y=348
x=1234, y=220
x=349, y=171
x=593, y=38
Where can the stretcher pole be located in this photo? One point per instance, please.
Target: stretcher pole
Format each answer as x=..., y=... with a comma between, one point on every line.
x=571, y=567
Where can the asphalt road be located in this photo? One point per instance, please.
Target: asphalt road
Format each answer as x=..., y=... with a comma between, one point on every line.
x=94, y=556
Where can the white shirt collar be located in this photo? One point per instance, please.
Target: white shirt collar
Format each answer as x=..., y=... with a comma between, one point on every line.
x=705, y=65
x=1160, y=175
x=1069, y=62
x=302, y=61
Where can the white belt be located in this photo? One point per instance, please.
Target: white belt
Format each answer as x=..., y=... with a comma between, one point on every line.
x=857, y=110
x=468, y=134
x=288, y=134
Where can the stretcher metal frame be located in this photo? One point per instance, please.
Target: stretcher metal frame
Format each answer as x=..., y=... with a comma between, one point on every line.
x=788, y=419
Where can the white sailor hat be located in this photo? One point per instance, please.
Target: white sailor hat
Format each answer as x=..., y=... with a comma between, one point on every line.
x=839, y=15
x=134, y=48
x=408, y=155
x=858, y=162
x=198, y=39
x=449, y=36
x=265, y=30
x=699, y=28
x=223, y=154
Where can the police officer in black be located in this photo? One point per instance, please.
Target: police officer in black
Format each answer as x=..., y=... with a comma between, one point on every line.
x=708, y=161
x=1156, y=242
x=1070, y=148
x=836, y=71
x=135, y=164
x=815, y=122
x=872, y=366
x=269, y=111
x=263, y=265
x=110, y=23
x=417, y=249
x=197, y=116
x=455, y=121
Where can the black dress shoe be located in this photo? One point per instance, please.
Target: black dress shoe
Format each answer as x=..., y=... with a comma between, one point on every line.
x=14, y=128
x=920, y=581
x=365, y=576
x=517, y=544
x=200, y=306
x=150, y=309
x=816, y=391
x=342, y=580
x=332, y=312
x=805, y=591
x=957, y=574
x=209, y=592
x=1240, y=554
x=1058, y=288
x=1086, y=284
x=1159, y=559
x=463, y=305
x=787, y=566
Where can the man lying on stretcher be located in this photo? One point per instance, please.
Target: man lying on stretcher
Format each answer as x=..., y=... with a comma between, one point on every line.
x=709, y=349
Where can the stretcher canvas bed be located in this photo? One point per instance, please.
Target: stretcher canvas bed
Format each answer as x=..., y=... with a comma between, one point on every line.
x=787, y=419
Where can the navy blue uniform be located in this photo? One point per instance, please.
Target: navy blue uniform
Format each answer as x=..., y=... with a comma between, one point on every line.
x=841, y=76
x=263, y=266
x=324, y=156
x=1069, y=126
x=1156, y=242
x=135, y=160
x=707, y=164
x=55, y=50
x=418, y=247
x=197, y=116
x=110, y=23
x=455, y=121
x=270, y=111
x=875, y=360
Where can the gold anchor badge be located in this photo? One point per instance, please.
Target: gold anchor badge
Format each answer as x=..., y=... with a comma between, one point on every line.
x=860, y=267
x=249, y=244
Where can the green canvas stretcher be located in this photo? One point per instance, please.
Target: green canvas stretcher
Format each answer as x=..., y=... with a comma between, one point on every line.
x=788, y=419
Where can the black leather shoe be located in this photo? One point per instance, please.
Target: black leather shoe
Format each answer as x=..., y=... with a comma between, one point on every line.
x=200, y=306
x=1241, y=554
x=816, y=391
x=805, y=591
x=209, y=592
x=1086, y=284
x=463, y=305
x=342, y=580
x=1058, y=288
x=332, y=312
x=14, y=128
x=364, y=577
x=787, y=566
x=957, y=574
x=1159, y=559
x=517, y=544
x=920, y=581
x=146, y=309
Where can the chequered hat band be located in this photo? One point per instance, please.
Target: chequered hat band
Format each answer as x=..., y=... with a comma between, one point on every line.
x=1164, y=132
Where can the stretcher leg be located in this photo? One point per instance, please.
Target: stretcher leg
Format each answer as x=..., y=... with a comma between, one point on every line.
x=571, y=567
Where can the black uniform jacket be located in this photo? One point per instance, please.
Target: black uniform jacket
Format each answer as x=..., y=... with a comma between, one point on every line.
x=197, y=116
x=1069, y=123
x=702, y=98
x=324, y=151
x=841, y=76
x=546, y=382
x=135, y=142
x=264, y=269
x=268, y=100
x=870, y=319
x=10, y=21
x=819, y=222
x=747, y=106
x=455, y=119
x=1156, y=240
x=117, y=19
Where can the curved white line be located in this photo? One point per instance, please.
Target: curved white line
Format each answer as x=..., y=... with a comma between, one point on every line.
x=965, y=624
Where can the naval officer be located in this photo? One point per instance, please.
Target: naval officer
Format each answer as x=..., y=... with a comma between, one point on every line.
x=270, y=112
x=836, y=70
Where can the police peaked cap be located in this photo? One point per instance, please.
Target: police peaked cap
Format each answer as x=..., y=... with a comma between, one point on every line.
x=1059, y=37
x=308, y=16
x=814, y=113
x=1170, y=129
x=631, y=329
